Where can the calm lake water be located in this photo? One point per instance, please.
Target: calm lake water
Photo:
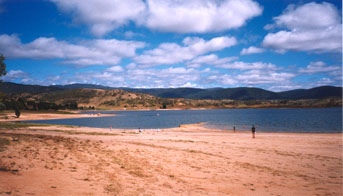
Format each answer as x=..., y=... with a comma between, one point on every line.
x=317, y=120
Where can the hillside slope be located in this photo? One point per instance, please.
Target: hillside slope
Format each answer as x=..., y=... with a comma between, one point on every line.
x=313, y=93
x=94, y=97
x=14, y=88
x=242, y=93
x=70, y=98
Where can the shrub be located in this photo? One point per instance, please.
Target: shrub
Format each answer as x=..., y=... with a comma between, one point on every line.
x=17, y=112
x=2, y=106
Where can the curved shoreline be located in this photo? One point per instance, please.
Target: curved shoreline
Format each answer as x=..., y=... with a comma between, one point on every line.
x=32, y=116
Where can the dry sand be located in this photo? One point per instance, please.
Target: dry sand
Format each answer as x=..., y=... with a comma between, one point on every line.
x=189, y=160
x=47, y=116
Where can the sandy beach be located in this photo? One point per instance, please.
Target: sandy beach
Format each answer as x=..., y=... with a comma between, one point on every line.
x=47, y=116
x=189, y=160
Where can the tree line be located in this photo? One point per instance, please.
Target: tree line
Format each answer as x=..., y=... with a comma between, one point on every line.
x=22, y=104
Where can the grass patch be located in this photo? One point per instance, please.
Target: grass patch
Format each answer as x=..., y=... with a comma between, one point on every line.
x=10, y=112
x=16, y=125
x=67, y=126
x=46, y=112
x=11, y=125
x=78, y=132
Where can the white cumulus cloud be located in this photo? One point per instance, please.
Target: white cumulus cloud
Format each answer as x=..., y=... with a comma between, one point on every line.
x=103, y=16
x=171, y=53
x=87, y=52
x=191, y=16
x=314, y=27
x=251, y=50
x=199, y=16
x=320, y=67
x=324, y=82
x=248, y=66
x=254, y=77
x=251, y=77
x=14, y=75
x=210, y=59
x=161, y=78
x=226, y=79
x=115, y=69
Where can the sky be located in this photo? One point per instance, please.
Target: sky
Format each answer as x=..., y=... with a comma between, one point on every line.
x=275, y=45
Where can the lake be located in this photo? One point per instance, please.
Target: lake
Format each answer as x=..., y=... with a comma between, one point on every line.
x=314, y=120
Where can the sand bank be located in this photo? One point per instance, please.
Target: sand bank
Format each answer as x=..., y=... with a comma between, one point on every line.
x=189, y=160
x=48, y=116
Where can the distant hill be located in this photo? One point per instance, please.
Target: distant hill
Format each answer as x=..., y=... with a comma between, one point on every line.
x=89, y=86
x=237, y=94
x=84, y=96
x=242, y=93
x=313, y=93
x=167, y=92
x=14, y=88
x=93, y=97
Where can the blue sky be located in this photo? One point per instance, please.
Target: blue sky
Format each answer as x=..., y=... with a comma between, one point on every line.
x=275, y=45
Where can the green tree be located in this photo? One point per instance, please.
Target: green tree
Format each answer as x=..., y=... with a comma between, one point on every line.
x=2, y=106
x=164, y=105
x=2, y=66
x=17, y=111
x=2, y=73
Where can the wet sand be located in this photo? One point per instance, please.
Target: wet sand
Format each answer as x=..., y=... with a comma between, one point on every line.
x=189, y=160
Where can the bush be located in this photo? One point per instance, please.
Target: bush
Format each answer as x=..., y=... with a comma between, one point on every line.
x=2, y=106
x=17, y=112
x=164, y=106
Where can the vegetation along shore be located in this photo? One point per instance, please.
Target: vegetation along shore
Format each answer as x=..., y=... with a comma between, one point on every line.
x=33, y=97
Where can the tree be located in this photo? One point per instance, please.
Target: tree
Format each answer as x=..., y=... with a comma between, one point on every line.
x=17, y=111
x=164, y=105
x=2, y=72
x=2, y=66
x=2, y=106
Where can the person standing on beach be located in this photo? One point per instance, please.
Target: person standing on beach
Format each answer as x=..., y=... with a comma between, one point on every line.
x=253, y=130
x=234, y=128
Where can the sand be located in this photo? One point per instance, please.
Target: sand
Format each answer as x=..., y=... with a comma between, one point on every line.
x=48, y=116
x=190, y=160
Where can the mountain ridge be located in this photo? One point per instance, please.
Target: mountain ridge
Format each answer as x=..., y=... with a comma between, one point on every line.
x=239, y=93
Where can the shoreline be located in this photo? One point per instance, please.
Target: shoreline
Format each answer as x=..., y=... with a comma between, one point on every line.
x=197, y=127
x=218, y=108
x=182, y=126
x=28, y=116
x=31, y=116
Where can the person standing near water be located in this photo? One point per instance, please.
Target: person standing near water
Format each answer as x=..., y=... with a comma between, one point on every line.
x=234, y=128
x=253, y=130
